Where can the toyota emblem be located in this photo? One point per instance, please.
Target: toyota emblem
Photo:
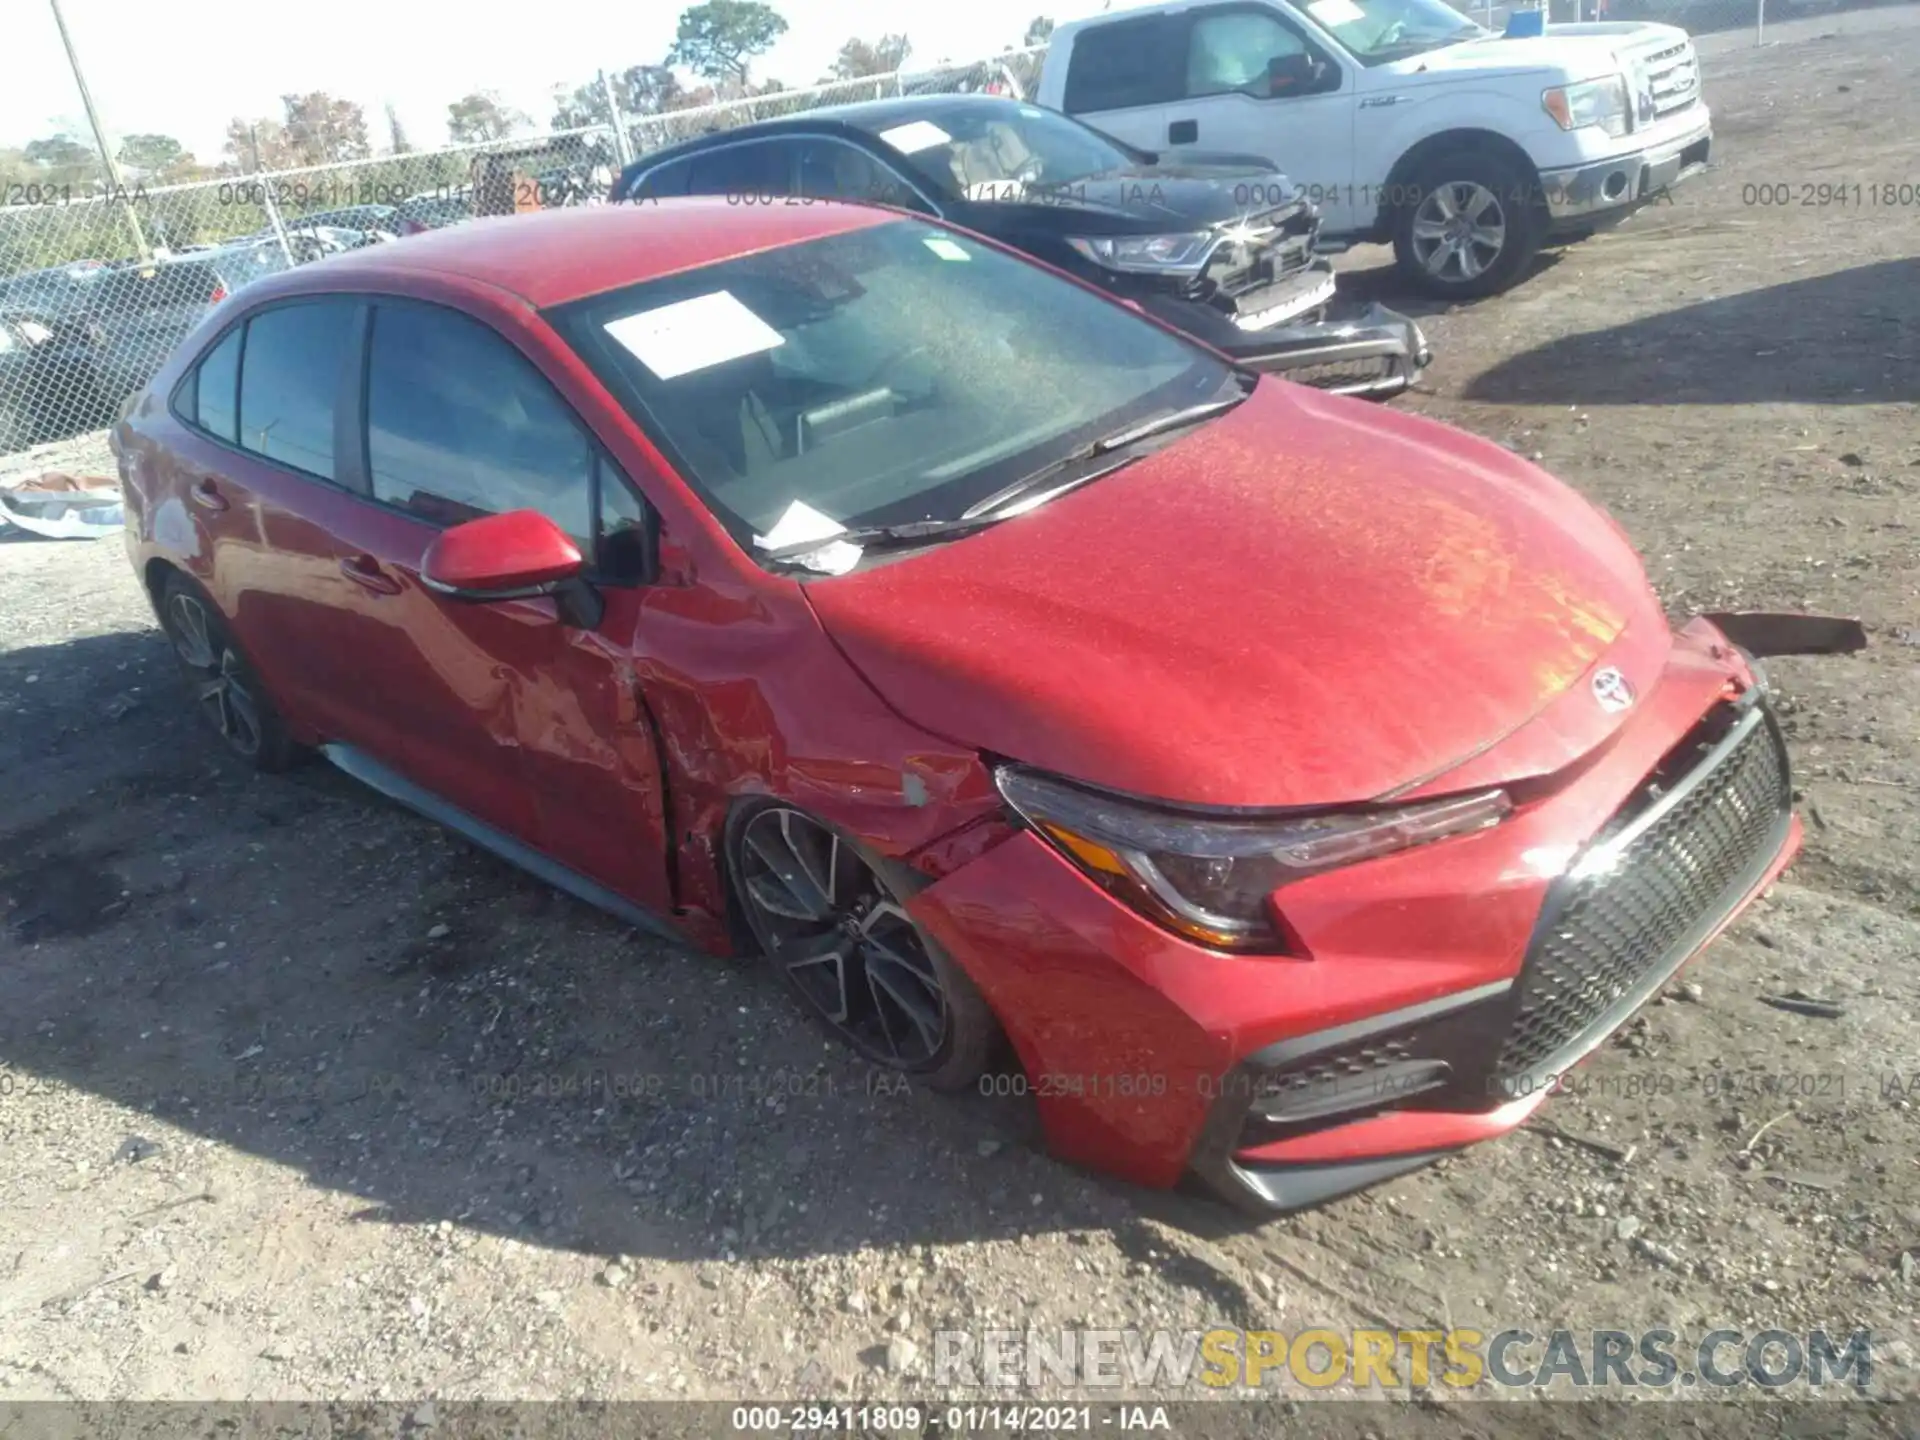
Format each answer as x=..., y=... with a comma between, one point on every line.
x=1611, y=690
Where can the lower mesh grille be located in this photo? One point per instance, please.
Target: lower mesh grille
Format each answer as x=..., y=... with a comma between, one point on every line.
x=1333, y=374
x=1620, y=925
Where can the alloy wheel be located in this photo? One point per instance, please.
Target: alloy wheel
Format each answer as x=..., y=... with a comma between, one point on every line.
x=1459, y=230
x=220, y=686
x=832, y=924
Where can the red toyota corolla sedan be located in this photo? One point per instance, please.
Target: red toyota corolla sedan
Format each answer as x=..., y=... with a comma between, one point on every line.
x=1298, y=786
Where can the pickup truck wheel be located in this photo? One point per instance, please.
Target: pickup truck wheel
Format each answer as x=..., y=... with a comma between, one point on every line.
x=1472, y=227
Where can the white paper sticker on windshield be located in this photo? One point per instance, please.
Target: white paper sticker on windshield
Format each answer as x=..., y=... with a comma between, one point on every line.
x=798, y=524
x=914, y=136
x=1335, y=12
x=691, y=335
x=945, y=248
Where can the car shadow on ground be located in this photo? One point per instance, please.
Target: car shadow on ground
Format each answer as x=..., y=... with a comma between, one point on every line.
x=292, y=968
x=1848, y=338
x=1380, y=282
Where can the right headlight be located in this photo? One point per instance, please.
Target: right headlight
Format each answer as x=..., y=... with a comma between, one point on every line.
x=1209, y=878
x=1591, y=102
x=1176, y=254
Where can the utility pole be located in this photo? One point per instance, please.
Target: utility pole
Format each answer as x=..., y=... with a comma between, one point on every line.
x=100, y=139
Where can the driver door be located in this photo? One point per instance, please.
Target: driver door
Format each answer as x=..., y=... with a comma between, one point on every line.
x=1255, y=84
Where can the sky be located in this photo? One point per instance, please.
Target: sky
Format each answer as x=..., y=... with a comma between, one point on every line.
x=187, y=67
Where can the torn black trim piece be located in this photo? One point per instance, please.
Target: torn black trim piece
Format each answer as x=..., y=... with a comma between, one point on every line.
x=1763, y=633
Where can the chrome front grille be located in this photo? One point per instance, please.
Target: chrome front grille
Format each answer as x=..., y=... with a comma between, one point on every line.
x=1238, y=266
x=1672, y=79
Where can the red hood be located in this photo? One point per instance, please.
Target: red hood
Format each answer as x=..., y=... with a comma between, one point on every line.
x=1311, y=600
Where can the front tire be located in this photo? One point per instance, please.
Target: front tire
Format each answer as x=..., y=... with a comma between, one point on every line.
x=831, y=916
x=1473, y=226
x=227, y=694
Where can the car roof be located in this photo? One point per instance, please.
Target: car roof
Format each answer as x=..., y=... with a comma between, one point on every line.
x=548, y=257
x=862, y=119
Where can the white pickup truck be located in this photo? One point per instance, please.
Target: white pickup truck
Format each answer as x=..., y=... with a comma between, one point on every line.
x=1403, y=119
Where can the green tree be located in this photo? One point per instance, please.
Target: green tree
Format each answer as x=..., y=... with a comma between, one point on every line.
x=716, y=40
x=156, y=157
x=322, y=129
x=1039, y=31
x=483, y=116
x=878, y=57
x=59, y=152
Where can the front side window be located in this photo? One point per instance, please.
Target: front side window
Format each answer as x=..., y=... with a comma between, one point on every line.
x=460, y=424
x=1234, y=52
x=290, y=374
x=835, y=170
x=887, y=374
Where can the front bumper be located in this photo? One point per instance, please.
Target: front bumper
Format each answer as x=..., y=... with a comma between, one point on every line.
x=1375, y=352
x=1429, y=1007
x=1607, y=189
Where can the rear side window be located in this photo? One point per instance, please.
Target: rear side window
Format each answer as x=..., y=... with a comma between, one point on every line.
x=216, y=388
x=289, y=379
x=1127, y=63
x=460, y=424
x=752, y=169
x=662, y=181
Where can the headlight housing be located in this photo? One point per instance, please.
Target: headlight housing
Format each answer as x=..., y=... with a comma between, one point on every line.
x=1591, y=102
x=1209, y=877
x=1179, y=254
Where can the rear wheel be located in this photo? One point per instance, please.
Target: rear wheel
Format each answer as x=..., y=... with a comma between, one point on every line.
x=832, y=918
x=1472, y=227
x=226, y=693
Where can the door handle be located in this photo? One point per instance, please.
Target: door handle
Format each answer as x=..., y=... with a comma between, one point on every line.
x=207, y=495
x=365, y=572
x=1183, y=132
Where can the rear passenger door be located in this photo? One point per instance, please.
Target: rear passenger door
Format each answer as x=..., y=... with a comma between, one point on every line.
x=259, y=469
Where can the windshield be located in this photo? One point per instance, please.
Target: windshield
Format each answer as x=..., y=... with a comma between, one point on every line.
x=890, y=374
x=1376, y=31
x=982, y=147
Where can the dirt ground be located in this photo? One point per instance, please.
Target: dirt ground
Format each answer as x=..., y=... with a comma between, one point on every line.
x=257, y=1035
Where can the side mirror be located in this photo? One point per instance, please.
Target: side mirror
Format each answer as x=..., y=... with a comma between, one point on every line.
x=518, y=555
x=1292, y=74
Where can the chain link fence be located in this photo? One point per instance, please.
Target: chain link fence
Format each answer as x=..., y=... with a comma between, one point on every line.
x=96, y=289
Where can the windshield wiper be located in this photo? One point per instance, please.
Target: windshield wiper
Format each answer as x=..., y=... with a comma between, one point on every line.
x=1000, y=505
x=873, y=537
x=1000, y=500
